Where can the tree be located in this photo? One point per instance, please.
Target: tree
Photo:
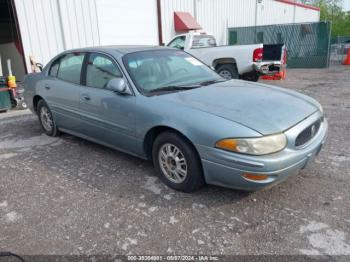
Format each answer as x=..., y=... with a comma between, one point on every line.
x=331, y=10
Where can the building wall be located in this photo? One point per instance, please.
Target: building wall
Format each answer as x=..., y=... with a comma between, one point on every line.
x=167, y=12
x=127, y=22
x=49, y=27
x=273, y=12
x=307, y=15
x=215, y=16
x=40, y=29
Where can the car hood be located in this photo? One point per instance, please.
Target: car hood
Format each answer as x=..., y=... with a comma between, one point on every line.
x=266, y=109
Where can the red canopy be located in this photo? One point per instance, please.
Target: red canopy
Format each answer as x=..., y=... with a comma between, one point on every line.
x=184, y=22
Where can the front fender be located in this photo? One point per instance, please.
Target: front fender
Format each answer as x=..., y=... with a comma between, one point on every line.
x=200, y=127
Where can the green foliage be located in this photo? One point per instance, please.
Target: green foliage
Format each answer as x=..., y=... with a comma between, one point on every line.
x=331, y=10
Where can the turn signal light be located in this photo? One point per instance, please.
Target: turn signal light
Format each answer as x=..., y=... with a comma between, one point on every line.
x=255, y=177
x=228, y=144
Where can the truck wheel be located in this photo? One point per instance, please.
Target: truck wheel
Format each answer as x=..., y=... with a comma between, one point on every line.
x=228, y=71
x=177, y=162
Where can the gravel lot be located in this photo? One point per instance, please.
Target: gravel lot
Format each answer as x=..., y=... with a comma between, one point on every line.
x=69, y=196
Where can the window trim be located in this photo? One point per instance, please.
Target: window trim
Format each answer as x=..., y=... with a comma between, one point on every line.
x=125, y=76
x=59, y=60
x=85, y=66
x=180, y=36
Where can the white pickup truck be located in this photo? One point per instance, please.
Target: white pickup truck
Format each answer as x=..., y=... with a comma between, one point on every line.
x=240, y=61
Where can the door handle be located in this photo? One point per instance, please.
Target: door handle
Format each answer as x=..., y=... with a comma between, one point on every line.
x=85, y=97
x=47, y=87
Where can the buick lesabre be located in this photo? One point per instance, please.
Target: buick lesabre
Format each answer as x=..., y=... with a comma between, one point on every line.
x=164, y=105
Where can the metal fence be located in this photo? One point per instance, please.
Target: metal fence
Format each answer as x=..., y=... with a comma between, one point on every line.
x=308, y=44
x=339, y=49
x=340, y=40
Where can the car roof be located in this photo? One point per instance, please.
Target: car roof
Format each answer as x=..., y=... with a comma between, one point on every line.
x=122, y=49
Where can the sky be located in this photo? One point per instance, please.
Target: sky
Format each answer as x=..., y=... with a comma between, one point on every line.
x=346, y=5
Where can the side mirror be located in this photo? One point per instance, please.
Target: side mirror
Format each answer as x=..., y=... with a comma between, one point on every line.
x=118, y=85
x=40, y=66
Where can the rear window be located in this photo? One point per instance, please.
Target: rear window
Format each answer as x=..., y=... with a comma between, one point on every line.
x=201, y=41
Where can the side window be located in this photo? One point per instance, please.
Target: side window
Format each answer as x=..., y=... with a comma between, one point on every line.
x=200, y=41
x=70, y=67
x=100, y=69
x=178, y=42
x=54, y=68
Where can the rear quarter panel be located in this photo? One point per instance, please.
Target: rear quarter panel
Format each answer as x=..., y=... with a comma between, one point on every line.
x=243, y=54
x=31, y=86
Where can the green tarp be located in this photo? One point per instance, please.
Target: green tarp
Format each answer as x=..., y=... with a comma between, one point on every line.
x=307, y=44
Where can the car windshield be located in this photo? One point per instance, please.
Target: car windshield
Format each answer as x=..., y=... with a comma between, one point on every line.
x=167, y=70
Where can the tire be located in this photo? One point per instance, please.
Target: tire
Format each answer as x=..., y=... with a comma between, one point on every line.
x=187, y=157
x=253, y=77
x=46, y=120
x=228, y=71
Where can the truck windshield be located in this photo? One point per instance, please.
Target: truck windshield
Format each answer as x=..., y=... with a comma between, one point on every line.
x=201, y=41
x=169, y=70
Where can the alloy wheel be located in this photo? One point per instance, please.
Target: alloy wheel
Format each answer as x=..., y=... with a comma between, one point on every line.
x=46, y=119
x=172, y=163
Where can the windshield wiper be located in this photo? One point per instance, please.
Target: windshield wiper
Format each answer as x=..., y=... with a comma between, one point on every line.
x=210, y=82
x=174, y=88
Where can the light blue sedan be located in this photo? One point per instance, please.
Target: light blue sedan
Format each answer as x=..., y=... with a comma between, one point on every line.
x=164, y=105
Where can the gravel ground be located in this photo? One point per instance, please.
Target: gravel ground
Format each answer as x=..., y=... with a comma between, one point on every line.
x=69, y=196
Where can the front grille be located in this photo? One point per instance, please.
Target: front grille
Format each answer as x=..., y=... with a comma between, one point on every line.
x=308, y=133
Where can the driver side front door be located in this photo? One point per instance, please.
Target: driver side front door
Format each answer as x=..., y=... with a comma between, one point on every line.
x=108, y=117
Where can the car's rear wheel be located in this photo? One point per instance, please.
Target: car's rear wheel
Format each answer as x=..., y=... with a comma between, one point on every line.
x=46, y=120
x=228, y=71
x=177, y=162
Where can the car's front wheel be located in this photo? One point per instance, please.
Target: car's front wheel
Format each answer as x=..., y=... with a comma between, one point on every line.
x=177, y=162
x=46, y=120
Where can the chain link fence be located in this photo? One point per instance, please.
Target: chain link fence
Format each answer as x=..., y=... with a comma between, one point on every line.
x=339, y=49
x=308, y=44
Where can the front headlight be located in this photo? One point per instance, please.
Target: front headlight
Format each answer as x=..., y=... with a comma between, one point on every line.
x=254, y=146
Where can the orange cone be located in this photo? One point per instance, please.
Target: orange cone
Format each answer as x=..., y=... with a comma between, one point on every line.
x=347, y=59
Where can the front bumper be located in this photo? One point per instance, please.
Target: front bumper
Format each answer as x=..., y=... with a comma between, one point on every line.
x=226, y=168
